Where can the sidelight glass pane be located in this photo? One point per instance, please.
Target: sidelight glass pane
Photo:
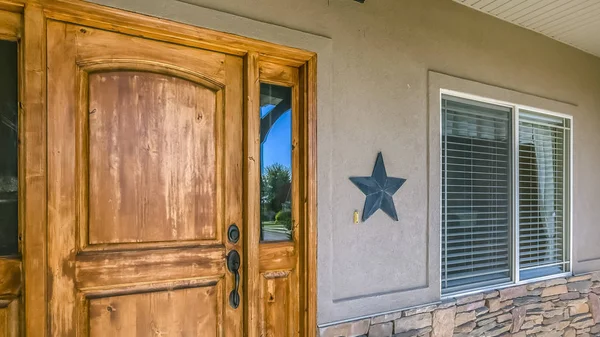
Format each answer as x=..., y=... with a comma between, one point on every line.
x=275, y=163
x=8, y=148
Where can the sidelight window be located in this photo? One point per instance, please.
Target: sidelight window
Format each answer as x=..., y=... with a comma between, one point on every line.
x=505, y=193
x=8, y=148
x=275, y=163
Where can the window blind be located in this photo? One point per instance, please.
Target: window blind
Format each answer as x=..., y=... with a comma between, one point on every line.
x=476, y=189
x=542, y=177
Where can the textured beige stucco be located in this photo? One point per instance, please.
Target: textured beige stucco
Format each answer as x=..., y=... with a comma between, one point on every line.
x=374, y=61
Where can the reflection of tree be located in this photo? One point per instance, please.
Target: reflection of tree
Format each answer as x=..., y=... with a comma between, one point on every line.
x=275, y=192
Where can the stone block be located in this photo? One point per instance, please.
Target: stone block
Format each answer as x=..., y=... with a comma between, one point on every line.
x=574, y=302
x=569, y=296
x=443, y=322
x=518, y=318
x=529, y=325
x=578, y=278
x=381, y=330
x=556, y=326
x=513, y=292
x=465, y=328
x=553, y=313
x=483, y=322
x=490, y=315
x=481, y=311
x=420, y=310
x=594, y=304
x=491, y=294
x=504, y=318
x=580, y=286
x=550, y=334
x=526, y=300
x=414, y=322
x=498, y=330
x=495, y=304
x=464, y=317
x=552, y=320
x=537, y=319
x=555, y=282
x=541, y=306
x=480, y=331
x=549, y=298
x=470, y=306
x=350, y=329
x=579, y=309
x=386, y=318
x=569, y=332
x=555, y=290
x=536, y=285
x=469, y=299
x=585, y=323
x=535, y=292
x=424, y=332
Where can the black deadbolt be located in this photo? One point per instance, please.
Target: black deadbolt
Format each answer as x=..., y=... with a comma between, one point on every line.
x=233, y=233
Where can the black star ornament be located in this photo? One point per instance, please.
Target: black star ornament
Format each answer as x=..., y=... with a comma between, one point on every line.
x=379, y=189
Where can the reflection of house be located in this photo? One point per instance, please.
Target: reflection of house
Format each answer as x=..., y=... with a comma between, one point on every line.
x=180, y=168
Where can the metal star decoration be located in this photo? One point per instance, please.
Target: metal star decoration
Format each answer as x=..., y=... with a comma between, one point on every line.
x=379, y=189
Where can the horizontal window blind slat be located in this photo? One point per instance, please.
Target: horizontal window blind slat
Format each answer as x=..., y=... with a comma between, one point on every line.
x=473, y=116
x=487, y=253
x=474, y=275
x=481, y=146
x=499, y=257
x=475, y=233
x=476, y=265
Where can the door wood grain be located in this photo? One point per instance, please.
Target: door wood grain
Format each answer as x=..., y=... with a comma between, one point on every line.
x=144, y=142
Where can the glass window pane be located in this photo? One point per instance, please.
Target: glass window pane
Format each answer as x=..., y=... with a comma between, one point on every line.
x=8, y=148
x=476, y=188
x=275, y=163
x=543, y=156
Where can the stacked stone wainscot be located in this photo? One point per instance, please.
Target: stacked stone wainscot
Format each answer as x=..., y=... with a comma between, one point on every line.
x=567, y=307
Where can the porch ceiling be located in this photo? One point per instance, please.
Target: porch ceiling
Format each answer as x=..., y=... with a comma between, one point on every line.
x=574, y=22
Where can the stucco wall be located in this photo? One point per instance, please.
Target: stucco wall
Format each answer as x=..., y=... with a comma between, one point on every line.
x=373, y=96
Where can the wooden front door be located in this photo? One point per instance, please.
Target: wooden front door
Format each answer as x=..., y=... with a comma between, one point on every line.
x=144, y=180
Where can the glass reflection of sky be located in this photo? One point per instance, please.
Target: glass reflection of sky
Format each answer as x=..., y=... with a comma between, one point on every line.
x=277, y=146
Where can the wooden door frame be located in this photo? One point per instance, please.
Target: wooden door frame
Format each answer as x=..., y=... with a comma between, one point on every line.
x=33, y=125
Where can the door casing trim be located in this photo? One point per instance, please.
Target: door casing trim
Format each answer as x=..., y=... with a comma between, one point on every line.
x=33, y=148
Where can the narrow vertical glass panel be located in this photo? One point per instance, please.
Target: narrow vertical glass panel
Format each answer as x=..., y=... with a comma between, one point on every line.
x=543, y=158
x=476, y=188
x=8, y=148
x=275, y=163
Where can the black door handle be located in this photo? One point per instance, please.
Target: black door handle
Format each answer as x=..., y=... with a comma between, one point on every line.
x=233, y=264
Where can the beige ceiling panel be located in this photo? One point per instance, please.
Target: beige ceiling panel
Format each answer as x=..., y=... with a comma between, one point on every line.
x=574, y=22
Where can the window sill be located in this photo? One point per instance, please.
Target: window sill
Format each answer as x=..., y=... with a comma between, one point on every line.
x=503, y=286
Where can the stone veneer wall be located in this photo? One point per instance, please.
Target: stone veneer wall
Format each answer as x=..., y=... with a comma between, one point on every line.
x=558, y=307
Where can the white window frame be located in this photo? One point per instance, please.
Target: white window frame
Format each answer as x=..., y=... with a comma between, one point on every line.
x=568, y=226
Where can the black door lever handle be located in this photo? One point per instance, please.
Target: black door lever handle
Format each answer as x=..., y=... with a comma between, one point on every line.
x=233, y=264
